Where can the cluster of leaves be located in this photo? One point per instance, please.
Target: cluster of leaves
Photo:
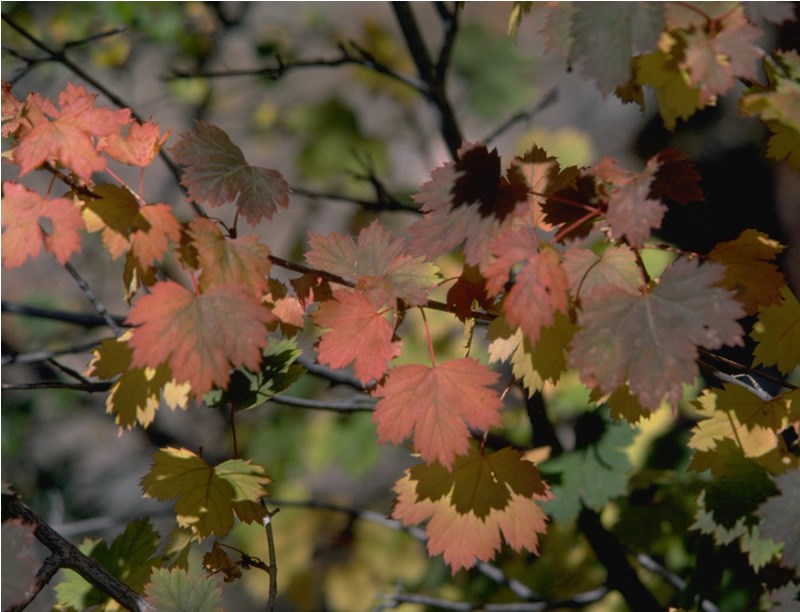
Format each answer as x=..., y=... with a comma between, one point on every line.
x=554, y=257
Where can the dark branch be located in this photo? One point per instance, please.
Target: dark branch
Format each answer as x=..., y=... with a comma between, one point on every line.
x=523, y=117
x=356, y=57
x=451, y=132
x=65, y=555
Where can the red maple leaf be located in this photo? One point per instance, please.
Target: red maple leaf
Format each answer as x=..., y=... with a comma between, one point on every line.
x=437, y=405
x=651, y=340
x=68, y=136
x=356, y=332
x=201, y=337
x=218, y=173
x=225, y=260
x=539, y=289
x=631, y=212
x=23, y=235
x=467, y=201
x=675, y=178
x=377, y=263
x=139, y=147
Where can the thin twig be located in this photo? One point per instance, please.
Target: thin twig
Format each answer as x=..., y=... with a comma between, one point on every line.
x=551, y=97
x=40, y=356
x=272, y=569
x=382, y=204
x=75, y=318
x=89, y=387
x=90, y=294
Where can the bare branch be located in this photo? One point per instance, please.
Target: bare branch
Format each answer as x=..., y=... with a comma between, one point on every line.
x=66, y=555
x=98, y=305
x=89, y=387
x=434, y=91
x=76, y=318
x=357, y=57
x=40, y=356
x=357, y=404
x=551, y=97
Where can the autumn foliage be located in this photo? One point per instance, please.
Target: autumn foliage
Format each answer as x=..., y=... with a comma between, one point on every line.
x=553, y=259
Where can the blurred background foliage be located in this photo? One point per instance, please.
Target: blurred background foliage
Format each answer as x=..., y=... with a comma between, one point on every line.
x=336, y=133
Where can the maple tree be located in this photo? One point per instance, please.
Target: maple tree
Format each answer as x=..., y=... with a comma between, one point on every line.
x=555, y=276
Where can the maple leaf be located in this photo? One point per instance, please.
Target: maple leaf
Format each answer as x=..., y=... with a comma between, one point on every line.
x=225, y=260
x=749, y=273
x=593, y=473
x=539, y=289
x=201, y=336
x=676, y=98
x=651, y=340
x=574, y=207
x=713, y=58
x=217, y=560
x=605, y=37
x=218, y=173
x=139, y=147
x=437, y=405
x=357, y=332
x=616, y=267
x=136, y=395
x=777, y=105
x=544, y=176
x=631, y=212
x=23, y=235
x=675, y=178
x=470, y=287
x=486, y=498
x=69, y=138
x=174, y=590
x=466, y=201
x=377, y=263
x=144, y=231
x=777, y=333
x=779, y=517
x=208, y=496
x=532, y=364
x=737, y=414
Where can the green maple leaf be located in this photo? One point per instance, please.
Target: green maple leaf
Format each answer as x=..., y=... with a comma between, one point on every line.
x=175, y=591
x=248, y=389
x=208, y=496
x=131, y=558
x=591, y=475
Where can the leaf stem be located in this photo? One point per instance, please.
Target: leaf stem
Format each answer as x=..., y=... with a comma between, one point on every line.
x=428, y=336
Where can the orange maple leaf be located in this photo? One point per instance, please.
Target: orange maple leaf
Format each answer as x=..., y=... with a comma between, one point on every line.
x=468, y=519
x=139, y=147
x=201, y=337
x=68, y=136
x=225, y=260
x=23, y=235
x=437, y=405
x=357, y=332
x=377, y=263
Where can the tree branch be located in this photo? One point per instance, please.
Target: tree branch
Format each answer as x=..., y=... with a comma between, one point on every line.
x=434, y=91
x=76, y=318
x=346, y=58
x=66, y=555
x=357, y=404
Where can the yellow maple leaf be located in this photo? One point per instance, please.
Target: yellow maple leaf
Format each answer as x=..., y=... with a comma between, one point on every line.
x=777, y=332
